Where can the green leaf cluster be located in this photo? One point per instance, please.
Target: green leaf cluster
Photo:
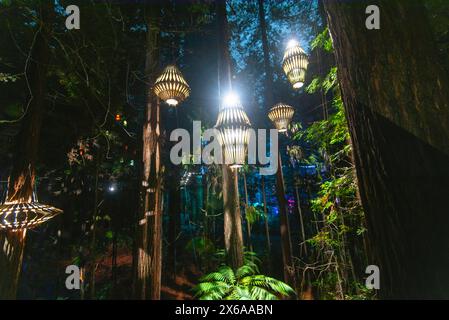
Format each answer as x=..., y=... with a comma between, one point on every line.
x=243, y=284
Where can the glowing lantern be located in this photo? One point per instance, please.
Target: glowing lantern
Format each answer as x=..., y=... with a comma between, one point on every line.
x=15, y=216
x=295, y=64
x=233, y=125
x=281, y=115
x=118, y=117
x=171, y=87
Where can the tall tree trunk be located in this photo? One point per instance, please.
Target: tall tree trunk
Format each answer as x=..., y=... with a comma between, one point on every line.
x=301, y=220
x=149, y=264
x=231, y=203
x=116, y=222
x=265, y=214
x=22, y=177
x=232, y=220
x=94, y=230
x=289, y=273
x=174, y=228
x=287, y=257
x=397, y=105
x=248, y=224
x=269, y=98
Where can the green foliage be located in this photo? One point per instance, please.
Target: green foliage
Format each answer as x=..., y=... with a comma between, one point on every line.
x=439, y=21
x=109, y=234
x=12, y=111
x=243, y=284
x=336, y=207
x=323, y=238
x=362, y=293
x=323, y=41
x=202, y=246
x=249, y=258
x=326, y=84
x=7, y=77
x=104, y=292
x=252, y=214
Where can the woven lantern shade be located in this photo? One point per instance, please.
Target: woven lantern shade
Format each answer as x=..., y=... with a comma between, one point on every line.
x=281, y=115
x=233, y=125
x=171, y=86
x=295, y=64
x=15, y=216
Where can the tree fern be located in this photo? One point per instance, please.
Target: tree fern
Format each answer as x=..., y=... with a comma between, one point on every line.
x=243, y=284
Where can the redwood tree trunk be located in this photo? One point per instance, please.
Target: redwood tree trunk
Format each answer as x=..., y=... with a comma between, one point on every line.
x=265, y=214
x=21, y=179
x=286, y=244
x=232, y=220
x=397, y=103
x=149, y=257
x=248, y=224
x=174, y=227
x=269, y=100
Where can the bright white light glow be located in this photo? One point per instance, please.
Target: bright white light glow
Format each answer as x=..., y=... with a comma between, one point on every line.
x=298, y=85
x=231, y=99
x=111, y=188
x=235, y=166
x=292, y=43
x=172, y=102
x=282, y=130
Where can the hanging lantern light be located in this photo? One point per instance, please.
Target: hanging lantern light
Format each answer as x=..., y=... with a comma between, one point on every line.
x=295, y=64
x=233, y=125
x=15, y=216
x=171, y=86
x=281, y=115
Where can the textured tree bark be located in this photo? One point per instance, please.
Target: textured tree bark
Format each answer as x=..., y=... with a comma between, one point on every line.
x=22, y=177
x=94, y=230
x=149, y=264
x=174, y=228
x=248, y=225
x=287, y=257
x=265, y=214
x=232, y=220
x=231, y=203
x=397, y=104
x=269, y=99
x=301, y=220
x=12, y=244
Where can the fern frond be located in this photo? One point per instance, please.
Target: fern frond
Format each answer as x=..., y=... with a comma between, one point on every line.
x=245, y=270
x=211, y=290
x=258, y=293
x=239, y=293
x=228, y=274
x=214, y=276
x=280, y=287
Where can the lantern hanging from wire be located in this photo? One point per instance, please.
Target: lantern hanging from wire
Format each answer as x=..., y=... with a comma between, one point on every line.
x=281, y=114
x=233, y=125
x=295, y=64
x=171, y=86
x=15, y=216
